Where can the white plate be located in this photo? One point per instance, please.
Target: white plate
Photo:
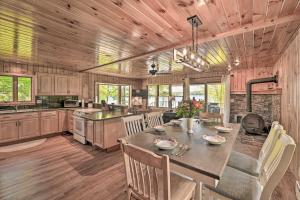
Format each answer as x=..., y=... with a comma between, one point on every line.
x=223, y=129
x=159, y=128
x=214, y=139
x=166, y=144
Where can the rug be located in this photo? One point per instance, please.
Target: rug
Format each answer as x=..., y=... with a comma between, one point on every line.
x=22, y=146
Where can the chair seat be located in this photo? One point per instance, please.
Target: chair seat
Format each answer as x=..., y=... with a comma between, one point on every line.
x=244, y=163
x=235, y=184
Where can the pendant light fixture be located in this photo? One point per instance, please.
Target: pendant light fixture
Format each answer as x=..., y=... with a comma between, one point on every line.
x=189, y=55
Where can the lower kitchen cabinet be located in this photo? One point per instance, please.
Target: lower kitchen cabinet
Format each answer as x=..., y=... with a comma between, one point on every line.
x=29, y=128
x=70, y=121
x=62, y=121
x=98, y=134
x=49, y=123
x=9, y=131
x=90, y=131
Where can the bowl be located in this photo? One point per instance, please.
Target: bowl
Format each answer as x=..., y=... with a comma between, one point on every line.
x=214, y=139
x=223, y=129
x=166, y=144
x=159, y=128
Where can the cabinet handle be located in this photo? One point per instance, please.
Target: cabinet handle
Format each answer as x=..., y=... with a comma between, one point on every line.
x=19, y=123
x=16, y=123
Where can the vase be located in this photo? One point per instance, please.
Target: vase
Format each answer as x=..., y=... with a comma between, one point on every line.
x=190, y=122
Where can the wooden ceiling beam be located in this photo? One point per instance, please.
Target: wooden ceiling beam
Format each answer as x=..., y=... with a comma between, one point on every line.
x=235, y=31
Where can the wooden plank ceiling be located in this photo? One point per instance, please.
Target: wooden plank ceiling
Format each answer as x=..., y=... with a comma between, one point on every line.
x=122, y=37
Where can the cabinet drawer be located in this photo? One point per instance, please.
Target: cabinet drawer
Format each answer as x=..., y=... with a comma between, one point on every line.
x=48, y=113
x=28, y=115
x=5, y=117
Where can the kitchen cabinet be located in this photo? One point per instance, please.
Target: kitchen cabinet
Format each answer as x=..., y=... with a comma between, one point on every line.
x=98, y=134
x=74, y=85
x=61, y=85
x=70, y=121
x=90, y=131
x=28, y=128
x=62, y=121
x=45, y=84
x=49, y=122
x=9, y=131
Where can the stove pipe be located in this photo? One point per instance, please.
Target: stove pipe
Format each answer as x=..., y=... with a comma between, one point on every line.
x=273, y=79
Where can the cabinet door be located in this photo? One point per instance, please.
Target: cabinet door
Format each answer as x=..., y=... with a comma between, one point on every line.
x=112, y=132
x=62, y=121
x=61, y=85
x=90, y=131
x=98, y=134
x=9, y=131
x=29, y=128
x=74, y=85
x=45, y=84
x=70, y=121
x=49, y=125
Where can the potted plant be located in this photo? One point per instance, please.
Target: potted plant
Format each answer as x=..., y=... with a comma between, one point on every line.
x=189, y=109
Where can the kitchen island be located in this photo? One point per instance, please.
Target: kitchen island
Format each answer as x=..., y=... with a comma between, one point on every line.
x=104, y=128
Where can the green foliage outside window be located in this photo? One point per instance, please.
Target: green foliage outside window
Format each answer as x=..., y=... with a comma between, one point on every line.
x=24, y=89
x=163, y=90
x=6, y=88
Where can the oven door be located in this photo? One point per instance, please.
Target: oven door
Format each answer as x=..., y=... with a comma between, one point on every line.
x=79, y=124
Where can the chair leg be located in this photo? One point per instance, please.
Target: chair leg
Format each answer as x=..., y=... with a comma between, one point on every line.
x=128, y=195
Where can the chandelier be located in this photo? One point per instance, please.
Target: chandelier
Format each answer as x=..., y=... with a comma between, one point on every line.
x=189, y=56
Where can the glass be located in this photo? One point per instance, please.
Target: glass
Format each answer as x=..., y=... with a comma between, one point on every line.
x=24, y=89
x=177, y=93
x=103, y=93
x=6, y=88
x=215, y=97
x=109, y=93
x=197, y=92
x=152, y=94
x=163, y=93
x=125, y=92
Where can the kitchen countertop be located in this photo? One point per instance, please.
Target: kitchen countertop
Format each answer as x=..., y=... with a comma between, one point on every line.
x=104, y=115
x=2, y=112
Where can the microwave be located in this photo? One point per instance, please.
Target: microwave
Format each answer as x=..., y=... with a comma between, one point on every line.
x=71, y=103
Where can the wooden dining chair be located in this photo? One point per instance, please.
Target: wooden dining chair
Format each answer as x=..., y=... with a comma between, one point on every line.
x=251, y=165
x=149, y=178
x=235, y=184
x=154, y=119
x=133, y=124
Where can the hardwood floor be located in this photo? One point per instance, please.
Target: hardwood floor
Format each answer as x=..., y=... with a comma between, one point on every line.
x=64, y=169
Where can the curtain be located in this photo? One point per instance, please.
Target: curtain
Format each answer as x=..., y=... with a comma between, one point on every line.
x=226, y=81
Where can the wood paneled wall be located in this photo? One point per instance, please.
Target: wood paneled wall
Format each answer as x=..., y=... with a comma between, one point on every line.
x=240, y=77
x=288, y=66
x=88, y=79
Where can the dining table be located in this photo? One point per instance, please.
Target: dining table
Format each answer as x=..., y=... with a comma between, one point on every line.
x=203, y=162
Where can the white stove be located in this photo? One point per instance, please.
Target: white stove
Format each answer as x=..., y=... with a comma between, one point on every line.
x=80, y=123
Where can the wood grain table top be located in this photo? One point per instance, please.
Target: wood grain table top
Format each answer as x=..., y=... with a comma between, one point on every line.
x=204, y=158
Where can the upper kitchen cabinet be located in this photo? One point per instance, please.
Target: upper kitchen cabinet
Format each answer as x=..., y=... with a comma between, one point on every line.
x=45, y=84
x=58, y=85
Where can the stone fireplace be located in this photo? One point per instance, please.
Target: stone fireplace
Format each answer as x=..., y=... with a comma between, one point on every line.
x=266, y=105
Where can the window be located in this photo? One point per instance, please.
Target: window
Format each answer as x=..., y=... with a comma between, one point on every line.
x=24, y=89
x=198, y=92
x=117, y=94
x=215, y=97
x=152, y=95
x=14, y=89
x=163, y=96
x=6, y=88
x=125, y=94
x=177, y=94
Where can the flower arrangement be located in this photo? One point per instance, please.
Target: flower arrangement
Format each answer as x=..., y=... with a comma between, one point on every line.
x=189, y=109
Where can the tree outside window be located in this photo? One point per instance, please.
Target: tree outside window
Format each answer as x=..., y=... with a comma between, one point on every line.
x=215, y=97
x=163, y=96
x=6, y=88
x=117, y=94
x=152, y=94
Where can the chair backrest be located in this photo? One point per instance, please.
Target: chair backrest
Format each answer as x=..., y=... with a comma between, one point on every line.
x=274, y=135
x=276, y=165
x=133, y=124
x=142, y=167
x=154, y=119
x=208, y=115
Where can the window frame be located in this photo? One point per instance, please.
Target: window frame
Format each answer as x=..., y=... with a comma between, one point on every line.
x=15, y=101
x=171, y=93
x=119, y=91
